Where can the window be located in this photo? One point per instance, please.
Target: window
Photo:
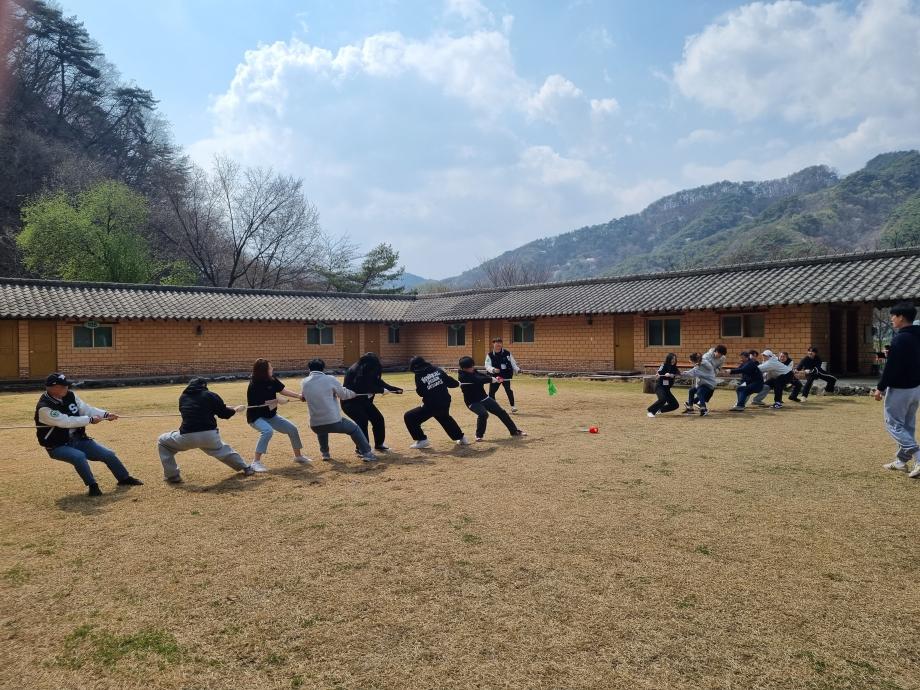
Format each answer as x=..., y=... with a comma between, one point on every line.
x=743, y=326
x=320, y=334
x=393, y=334
x=522, y=332
x=663, y=332
x=456, y=334
x=100, y=336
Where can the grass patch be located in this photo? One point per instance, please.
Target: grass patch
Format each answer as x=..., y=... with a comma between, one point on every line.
x=87, y=644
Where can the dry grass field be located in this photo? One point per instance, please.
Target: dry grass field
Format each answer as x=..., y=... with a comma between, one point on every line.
x=764, y=550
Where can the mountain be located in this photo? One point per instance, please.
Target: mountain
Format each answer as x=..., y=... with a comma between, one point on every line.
x=811, y=211
x=408, y=281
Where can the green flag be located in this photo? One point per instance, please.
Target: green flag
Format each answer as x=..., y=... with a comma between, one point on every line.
x=550, y=387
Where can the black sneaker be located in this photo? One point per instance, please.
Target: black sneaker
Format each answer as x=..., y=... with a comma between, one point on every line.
x=704, y=411
x=177, y=479
x=688, y=409
x=794, y=399
x=94, y=490
x=130, y=481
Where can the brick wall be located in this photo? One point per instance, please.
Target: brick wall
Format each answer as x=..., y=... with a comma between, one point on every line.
x=561, y=343
x=173, y=347
x=785, y=328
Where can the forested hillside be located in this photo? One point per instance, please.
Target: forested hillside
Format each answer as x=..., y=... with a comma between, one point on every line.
x=810, y=212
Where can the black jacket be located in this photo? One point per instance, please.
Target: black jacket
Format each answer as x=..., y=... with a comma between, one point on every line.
x=666, y=381
x=473, y=386
x=750, y=372
x=902, y=370
x=809, y=363
x=365, y=376
x=198, y=407
x=431, y=384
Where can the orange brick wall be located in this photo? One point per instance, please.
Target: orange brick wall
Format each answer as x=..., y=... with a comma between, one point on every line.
x=568, y=343
x=173, y=347
x=785, y=328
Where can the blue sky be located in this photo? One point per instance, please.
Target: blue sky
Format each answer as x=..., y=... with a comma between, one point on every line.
x=457, y=129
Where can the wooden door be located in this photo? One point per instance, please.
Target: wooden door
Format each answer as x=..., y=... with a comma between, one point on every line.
x=833, y=360
x=9, y=349
x=42, y=348
x=479, y=342
x=623, y=343
x=351, y=343
x=372, y=338
x=852, y=357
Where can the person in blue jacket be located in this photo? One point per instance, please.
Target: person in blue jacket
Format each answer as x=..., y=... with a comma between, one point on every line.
x=751, y=378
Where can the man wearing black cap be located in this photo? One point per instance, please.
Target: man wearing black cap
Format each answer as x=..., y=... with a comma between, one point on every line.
x=61, y=419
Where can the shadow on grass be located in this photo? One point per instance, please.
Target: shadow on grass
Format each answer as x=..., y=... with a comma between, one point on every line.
x=235, y=483
x=90, y=505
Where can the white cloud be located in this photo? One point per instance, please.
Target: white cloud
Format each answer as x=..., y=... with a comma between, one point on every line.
x=830, y=83
x=472, y=12
x=604, y=106
x=806, y=63
x=555, y=91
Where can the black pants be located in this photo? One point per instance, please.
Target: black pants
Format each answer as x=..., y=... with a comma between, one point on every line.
x=506, y=384
x=419, y=415
x=363, y=411
x=666, y=401
x=780, y=383
x=819, y=373
x=482, y=410
x=701, y=394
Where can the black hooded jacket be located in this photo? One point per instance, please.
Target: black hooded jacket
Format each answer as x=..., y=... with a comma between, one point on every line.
x=902, y=370
x=431, y=383
x=365, y=376
x=199, y=406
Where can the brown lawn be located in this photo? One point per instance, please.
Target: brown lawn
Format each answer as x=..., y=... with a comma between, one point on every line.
x=761, y=550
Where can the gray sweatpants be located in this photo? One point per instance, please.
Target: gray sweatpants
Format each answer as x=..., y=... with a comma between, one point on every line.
x=208, y=441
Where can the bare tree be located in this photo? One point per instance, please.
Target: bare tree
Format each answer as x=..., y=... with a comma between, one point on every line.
x=508, y=272
x=235, y=225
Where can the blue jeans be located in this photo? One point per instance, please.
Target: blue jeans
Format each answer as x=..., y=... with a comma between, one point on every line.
x=744, y=392
x=269, y=425
x=79, y=451
x=343, y=426
x=901, y=405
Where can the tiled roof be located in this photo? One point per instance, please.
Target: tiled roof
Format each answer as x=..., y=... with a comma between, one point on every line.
x=884, y=276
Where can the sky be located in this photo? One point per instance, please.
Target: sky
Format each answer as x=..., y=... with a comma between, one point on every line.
x=458, y=129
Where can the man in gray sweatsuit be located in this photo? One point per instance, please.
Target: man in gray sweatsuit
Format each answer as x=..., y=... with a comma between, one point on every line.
x=322, y=393
x=199, y=408
x=775, y=377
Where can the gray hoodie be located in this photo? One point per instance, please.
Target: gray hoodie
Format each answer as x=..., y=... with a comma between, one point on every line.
x=323, y=393
x=703, y=373
x=715, y=361
x=772, y=367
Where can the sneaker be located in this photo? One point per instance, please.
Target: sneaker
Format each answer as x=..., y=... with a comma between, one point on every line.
x=248, y=471
x=896, y=465
x=370, y=457
x=327, y=457
x=736, y=408
x=914, y=473
x=777, y=406
x=424, y=443
x=463, y=441
x=130, y=481
x=513, y=409
x=175, y=479
x=650, y=415
x=803, y=400
x=302, y=459
x=257, y=466
x=382, y=448
x=688, y=409
x=795, y=399
x=704, y=411
x=94, y=490
x=519, y=432
x=477, y=439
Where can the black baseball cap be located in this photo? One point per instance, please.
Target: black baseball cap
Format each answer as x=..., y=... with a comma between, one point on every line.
x=57, y=379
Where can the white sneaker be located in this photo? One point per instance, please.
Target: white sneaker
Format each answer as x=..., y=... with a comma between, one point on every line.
x=914, y=473
x=302, y=459
x=896, y=465
x=424, y=443
x=478, y=439
x=258, y=466
x=650, y=415
x=463, y=441
x=514, y=409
